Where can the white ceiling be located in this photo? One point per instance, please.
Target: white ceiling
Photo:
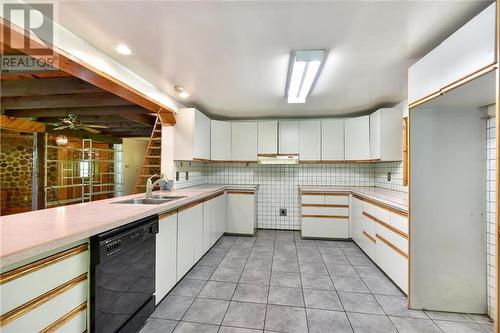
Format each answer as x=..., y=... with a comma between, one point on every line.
x=233, y=56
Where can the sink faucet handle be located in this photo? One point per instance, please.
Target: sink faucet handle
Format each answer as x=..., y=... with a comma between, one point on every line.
x=150, y=179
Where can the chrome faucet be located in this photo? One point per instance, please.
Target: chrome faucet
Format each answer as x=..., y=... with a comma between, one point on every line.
x=150, y=185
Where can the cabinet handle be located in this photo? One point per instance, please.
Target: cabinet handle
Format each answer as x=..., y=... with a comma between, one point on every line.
x=392, y=246
x=64, y=319
x=382, y=223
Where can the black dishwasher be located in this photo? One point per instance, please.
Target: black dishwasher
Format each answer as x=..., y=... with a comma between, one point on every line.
x=122, y=275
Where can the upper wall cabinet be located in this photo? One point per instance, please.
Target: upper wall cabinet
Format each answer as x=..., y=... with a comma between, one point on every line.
x=244, y=141
x=268, y=137
x=332, y=139
x=468, y=50
x=386, y=134
x=191, y=136
x=289, y=137
x=357, y=138
x=220, y=141
x=310, y=140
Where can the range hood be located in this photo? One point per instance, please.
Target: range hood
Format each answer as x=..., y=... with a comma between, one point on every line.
x=278, y=159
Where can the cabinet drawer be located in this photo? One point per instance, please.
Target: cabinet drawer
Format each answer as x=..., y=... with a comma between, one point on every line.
x=399, y=222
x=336, y=199
x=76, y=322
x=48, y=311
x=325, y=210
x=313, y=199
x=369, y=226
x=317, y=227
x=397, y=240
x=393, y=264
x=378, y=212
x=369, y=245
x=30, y=281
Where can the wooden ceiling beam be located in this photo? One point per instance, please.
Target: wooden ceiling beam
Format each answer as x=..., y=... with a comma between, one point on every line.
x=49, y=86
x=139, y=118
x=79, y=111
x=86, y=72
x=62, y=101
x=86, y=135
x=20, y=124
x=101, y=120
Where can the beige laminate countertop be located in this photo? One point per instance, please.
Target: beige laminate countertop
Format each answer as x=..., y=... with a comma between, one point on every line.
x=26, y=235
x=395, y=199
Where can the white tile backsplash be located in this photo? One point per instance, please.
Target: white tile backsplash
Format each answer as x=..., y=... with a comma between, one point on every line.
x=490, y=212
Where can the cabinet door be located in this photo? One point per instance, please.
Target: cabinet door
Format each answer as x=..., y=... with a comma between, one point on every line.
x=222, y=215
x=189, y=234
x=375, y=128
x=268, y=137
x=357, y=138
x=332, y=139
x=425, y=76
x=214, y=221
x=220, y=140
x=289, y=137
x=240, y=213
x=166, y=255
x=201, y=145
x=244, y=141
x=310, y=140
x=208, y=207
x=198, y=232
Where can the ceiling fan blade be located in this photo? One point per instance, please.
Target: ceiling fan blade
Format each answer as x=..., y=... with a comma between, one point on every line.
x=88, y=129
x=96, y=126
x=61, y=127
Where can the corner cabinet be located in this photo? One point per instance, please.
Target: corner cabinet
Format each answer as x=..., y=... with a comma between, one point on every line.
x=244, y=141
x=386, y=134
x=220, y=140
x=191, y=136
x=47, y=295
x=241, y=212
x=357, y=138
x=166, y=254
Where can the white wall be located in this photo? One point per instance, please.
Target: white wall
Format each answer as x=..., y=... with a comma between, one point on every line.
x=134, y=150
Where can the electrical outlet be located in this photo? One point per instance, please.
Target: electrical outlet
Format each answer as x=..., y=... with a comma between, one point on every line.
x=389, y=176
x=187, y=175
x=177, y=175
x=282, y=211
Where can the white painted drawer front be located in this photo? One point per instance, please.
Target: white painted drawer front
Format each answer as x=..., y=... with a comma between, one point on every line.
x=325, y=211
x=336, y=199
x=399, y=222
x=393, y=264
x=313, y=199
x=47, y=313
x=25, y=288
x=76, y=324
x=378, y=212
x=369, y=247
x=369, y=226
x=317, y=227
x=397, y=240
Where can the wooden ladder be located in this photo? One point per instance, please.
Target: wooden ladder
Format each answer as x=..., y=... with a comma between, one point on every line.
x=152, y=160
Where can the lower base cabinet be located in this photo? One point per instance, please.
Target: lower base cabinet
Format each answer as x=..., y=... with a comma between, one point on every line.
x=166, y=255
x=325, y=215
x=189, y=237
x=241, y=215
x=320, y=227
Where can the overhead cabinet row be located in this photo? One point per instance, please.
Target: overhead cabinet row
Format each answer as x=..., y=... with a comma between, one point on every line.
x=377, y=136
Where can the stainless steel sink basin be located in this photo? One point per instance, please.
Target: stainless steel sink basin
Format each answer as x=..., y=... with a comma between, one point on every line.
x=154, y=200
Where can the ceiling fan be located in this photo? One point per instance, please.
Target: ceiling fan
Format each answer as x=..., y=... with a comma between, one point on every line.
x=72, y=122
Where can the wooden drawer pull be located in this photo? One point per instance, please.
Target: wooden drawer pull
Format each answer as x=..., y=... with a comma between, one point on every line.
x=328, y=216
x=369, y=237
x=325, y=205
x=240, y=192
x=34, y=266
x=40, y=300
x=388, y=226
x=392, y=246
x=64, y=319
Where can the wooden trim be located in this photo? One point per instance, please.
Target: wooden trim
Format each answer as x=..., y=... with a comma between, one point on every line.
x=213, y=197
x=167, y=214
x=189, y=206
x=455, y=84
x=405, y=151
x=325, y=205
x=497, y=181
x=201, y=159
x=392, y=246
x=267, y=155
x=327, y=216
x=388, y=226
x=332, y=194
x=82, y=70
x=240, y=192
x=369, y=237
x=64, y=319
x=37, y=265
x=381, y=205
x=23, y=125
x=40, y=300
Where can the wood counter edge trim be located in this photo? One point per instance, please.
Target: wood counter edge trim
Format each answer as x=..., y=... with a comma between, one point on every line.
x=40, y=300
x=192, y=204
x=325, y=205
x=65, y=319
x=167, y=214
x=211, y=197
x=37, y=265
x=381, y=205
x=387, y=226
x=369, y=237
x=340, y=194
x=392, y=246
x=327, y=216
x=240, y=192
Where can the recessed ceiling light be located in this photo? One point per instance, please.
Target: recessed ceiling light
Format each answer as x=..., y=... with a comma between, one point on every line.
x=181, y=92
x=305, y=69
x=123, y=49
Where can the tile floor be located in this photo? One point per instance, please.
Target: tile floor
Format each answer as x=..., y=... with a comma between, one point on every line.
x=277, y=282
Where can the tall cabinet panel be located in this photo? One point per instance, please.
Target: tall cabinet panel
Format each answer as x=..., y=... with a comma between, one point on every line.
x=386, y=134
x=268, y=137
x=310, y=140
x=289, y=137
x=220, y=140
x=357, y=138
x=332, y=139
x=244, y=141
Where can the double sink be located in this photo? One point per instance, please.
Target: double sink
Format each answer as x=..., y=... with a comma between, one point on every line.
x=153, y=200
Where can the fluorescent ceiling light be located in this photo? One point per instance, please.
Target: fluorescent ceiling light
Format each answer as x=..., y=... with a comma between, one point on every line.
x=123, y=49
x=305, y=69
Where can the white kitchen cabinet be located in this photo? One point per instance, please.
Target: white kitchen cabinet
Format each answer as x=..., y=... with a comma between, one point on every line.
x=267, y=138
x=386, y=134
x=325, y=215
x=425, y=76
x=241, y=215
x=222, y=216
x=356, y=214
x=189, y=237
x=166, y=255
x=332, y=139
x=289, y=137
x=191, y=135
x=244, y=141
x=220, y=141
x=310, y=140
x=209, y=207
x=357, y=138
